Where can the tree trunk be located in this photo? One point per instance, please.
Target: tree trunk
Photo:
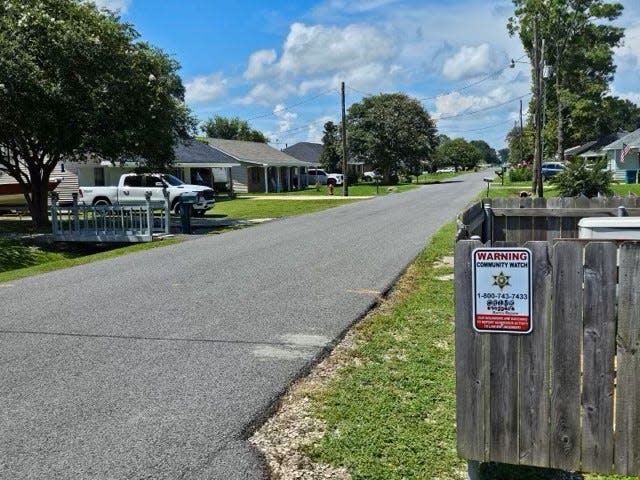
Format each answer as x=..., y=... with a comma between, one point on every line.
x=38, y=204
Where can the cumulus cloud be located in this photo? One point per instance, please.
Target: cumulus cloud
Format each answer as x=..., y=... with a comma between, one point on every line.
x=205, y=88
x=284, y=117
x=259, y=62
x=471, y=61
x=114, y=5
x=456, y=103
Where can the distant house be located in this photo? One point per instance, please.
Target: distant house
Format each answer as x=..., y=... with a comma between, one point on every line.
x=595, y=149
x=195, y=162
x=306, y=151
x=261, y=168
x=630, y=164
x=311, y=152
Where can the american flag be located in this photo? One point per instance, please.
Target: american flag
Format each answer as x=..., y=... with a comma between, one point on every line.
x=625, y=150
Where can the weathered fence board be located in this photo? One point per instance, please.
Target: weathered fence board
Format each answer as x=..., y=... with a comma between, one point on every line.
x=565, y=356
x=533, y=399
x=600, y=278
x=471, y=372
x=627, y=444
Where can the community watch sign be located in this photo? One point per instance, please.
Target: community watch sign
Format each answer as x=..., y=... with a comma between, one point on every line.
x=502, y=290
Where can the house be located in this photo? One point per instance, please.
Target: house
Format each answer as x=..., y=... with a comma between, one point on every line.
x=311, y=152
x=306, y=151
x=630, y=163
x=261, y=168
x=595, y=149
x=195, y=162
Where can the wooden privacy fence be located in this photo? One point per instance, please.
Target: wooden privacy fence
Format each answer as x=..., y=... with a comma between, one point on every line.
x=523, y=219
x=567, y=395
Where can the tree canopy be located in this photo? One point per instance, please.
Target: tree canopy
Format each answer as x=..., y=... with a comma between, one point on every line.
x=330, y=157
x=231, y=129
x=489, y=154
x=392, y=132
x=459, y=153
x=578, y=46
x=75, y=81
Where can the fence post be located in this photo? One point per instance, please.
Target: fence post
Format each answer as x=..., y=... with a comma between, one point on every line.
x=167, y=213
x=54, y=213
x=487, y=227
x=76, y=220
x=147, y=197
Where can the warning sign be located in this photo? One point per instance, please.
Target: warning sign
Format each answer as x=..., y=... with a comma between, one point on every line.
x=502, y=290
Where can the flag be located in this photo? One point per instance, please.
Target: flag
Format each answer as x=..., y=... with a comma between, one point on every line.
x=625, y=150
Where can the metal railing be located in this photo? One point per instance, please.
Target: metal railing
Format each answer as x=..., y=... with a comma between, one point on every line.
x=109, y=223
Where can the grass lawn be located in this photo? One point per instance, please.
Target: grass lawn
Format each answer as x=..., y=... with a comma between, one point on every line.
x=248, y=208
x=390, y=409
x=20, y=258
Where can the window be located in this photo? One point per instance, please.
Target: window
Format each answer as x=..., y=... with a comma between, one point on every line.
x=98, y=177
x=254, y=174
x=133, y=181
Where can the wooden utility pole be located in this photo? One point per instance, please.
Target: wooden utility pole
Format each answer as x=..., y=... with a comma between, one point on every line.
x=538, y=66
x=345, y=186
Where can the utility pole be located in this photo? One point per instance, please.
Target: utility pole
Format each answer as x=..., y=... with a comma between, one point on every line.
x=345, y=186
x=538, y=65
x=521, y=135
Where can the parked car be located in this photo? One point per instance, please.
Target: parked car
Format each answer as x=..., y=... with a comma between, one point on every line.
x=370, y=176
x=317, y=175
x=446, y=170
x=132, y=187
x=549, y=169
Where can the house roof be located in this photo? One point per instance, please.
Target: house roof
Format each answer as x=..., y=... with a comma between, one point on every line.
x=632, y=139
x=594, y=148
x=305, y=151
x=255, y=153
x=196, y=153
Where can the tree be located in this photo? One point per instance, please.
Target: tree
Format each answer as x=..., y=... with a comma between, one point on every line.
x=232, y=129
x=581, y=179
x=574, y=38
x=75, y=81
x=460, y=153
x=393, y=132
x=330, y=158
x=503, y=154
x=520, y=142
x=489, y=154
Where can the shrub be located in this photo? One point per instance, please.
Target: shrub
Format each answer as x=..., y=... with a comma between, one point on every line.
x=520, y=174
x=582, y=179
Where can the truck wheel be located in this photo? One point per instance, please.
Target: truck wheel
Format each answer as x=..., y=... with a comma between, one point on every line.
x=101, y=202
x=331, y=181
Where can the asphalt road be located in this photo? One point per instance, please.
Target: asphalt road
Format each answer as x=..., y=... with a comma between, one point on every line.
x=157, y=365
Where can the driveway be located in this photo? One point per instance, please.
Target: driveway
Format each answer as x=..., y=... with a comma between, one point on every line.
x=159, y=364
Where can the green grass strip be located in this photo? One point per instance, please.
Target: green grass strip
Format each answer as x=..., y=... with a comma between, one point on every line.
x=390, y=409
x=47, y=261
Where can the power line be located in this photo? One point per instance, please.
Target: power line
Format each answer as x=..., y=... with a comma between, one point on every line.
x=294, y=105
x=484, y=109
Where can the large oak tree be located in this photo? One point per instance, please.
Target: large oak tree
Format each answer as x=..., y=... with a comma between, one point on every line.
x=76, y=81
x=392, y=132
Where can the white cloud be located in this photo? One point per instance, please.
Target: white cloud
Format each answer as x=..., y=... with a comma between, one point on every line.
x=457, y=104
x=259, y=62
x=316, y=129
x=285, y=118
x=317, y=48
x=471, y=61
x=114, y=5
x=205, y=88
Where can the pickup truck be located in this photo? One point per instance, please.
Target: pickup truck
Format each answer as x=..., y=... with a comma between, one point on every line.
x=314, y=175
x=132, y=187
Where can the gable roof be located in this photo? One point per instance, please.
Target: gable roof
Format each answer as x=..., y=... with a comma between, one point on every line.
x=632, y=139
x=594, y=148
x=255, y=153
x=305, y=151
x=193, y=152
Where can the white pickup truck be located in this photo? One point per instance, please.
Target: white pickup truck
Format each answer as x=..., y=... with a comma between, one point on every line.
x=132, y=187
x=320, y=176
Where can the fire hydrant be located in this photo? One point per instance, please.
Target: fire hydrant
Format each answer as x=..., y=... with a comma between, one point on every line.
x=330, y=188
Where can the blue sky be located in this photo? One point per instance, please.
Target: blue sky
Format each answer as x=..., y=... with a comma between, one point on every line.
x=279, y=64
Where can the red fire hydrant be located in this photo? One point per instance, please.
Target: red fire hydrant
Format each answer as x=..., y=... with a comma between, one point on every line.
x=330, y=188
